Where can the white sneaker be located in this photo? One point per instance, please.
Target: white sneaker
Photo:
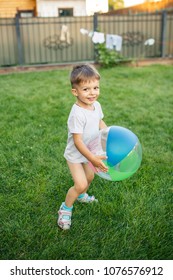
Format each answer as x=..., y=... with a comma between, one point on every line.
x=87, y=199
x=64, y=218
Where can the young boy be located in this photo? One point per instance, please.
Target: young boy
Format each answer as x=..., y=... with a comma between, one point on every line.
x=84, y=122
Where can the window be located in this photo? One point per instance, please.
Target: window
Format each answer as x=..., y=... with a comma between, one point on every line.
x=26, y=13
x=65, y=12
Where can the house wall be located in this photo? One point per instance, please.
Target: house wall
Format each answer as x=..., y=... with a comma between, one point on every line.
x=50, y=8
x=9, y=8
x=93, y=6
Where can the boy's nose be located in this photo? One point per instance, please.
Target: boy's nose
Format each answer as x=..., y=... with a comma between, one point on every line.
x=92, y=92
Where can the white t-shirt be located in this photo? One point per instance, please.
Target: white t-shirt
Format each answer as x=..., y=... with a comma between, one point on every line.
x=85, y=122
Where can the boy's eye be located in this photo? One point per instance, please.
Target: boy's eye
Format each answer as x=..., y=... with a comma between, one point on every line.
x=87, y=89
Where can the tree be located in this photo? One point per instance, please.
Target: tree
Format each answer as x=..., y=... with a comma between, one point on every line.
x=116, y=4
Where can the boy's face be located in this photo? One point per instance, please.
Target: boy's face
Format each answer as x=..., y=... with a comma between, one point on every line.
x=86, y=93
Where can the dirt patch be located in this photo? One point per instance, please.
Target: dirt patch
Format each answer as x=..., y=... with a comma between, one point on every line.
x=135, y=63
x=20, y=69
x=147, y=62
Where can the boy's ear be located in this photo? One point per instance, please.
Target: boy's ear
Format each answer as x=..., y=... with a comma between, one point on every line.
x=74, y=91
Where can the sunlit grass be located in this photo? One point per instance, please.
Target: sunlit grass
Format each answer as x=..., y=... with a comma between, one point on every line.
x=133, y=219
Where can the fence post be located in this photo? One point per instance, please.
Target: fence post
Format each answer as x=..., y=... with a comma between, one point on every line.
x=163, y=34
x=95, y=21
x=19, y=42
x=95, y=26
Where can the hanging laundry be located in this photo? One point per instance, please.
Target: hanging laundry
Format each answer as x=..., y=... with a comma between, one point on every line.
x=98, y=38
x=84, y=31
x=114, y=42
x=65, y=34
x=149, y=42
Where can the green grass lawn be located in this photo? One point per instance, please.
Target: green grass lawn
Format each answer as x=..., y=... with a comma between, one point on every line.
x=134, y=217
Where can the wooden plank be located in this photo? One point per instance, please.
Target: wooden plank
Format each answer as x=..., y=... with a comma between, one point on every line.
x=9, y=8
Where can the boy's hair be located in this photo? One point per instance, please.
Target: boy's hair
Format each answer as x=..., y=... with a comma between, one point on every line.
x=82, y=73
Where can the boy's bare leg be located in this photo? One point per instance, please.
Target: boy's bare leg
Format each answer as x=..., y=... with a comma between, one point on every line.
x=80, y=174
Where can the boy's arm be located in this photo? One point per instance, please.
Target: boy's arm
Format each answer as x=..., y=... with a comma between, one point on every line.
x=95, y=160
x=102, y=124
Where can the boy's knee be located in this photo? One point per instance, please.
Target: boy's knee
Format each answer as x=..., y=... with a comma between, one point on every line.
x=80, y=187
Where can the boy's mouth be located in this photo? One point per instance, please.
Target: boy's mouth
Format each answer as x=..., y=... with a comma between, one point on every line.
x=91, y=99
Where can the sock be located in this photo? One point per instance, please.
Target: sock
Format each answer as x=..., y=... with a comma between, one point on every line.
x=66, y=208
x=81, y=195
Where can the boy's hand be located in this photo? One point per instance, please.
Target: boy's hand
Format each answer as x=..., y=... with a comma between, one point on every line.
x=99, y=164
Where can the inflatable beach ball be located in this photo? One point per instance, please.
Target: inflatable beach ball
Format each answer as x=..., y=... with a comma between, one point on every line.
x=122, y=149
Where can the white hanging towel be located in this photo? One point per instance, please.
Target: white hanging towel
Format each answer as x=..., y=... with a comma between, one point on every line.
x=65, y=34
x=98, y=38
x=114, y=42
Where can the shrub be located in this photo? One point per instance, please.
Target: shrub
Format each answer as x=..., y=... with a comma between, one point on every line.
x=106, y=57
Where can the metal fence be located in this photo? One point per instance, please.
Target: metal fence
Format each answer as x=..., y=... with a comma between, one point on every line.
x=25, y=41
